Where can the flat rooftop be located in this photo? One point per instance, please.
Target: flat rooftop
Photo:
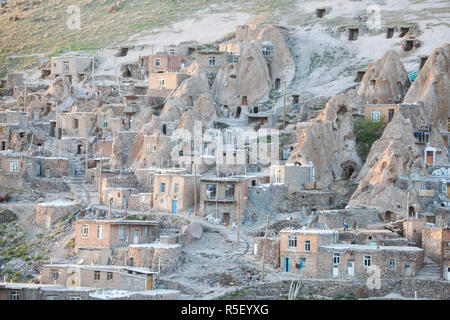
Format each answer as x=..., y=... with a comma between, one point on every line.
x=358, y=247
x=309, y=231
x=121, y=221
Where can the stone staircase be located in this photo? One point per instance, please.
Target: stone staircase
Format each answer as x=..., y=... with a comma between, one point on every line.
x=430, y=270
x=86, y=193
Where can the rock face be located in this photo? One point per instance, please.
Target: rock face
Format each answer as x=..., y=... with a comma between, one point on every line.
x=203, y=111
x=248, y=77
x=123, y=141
x=385, y=80
x=395, y=154
x=49, y=212
x=59, y=89
x=281, y=63
x=184, y=96
x=329, y=142
x=432, y=88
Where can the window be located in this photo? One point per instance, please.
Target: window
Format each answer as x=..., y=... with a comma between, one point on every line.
x=157, y=62
x=100, y=232
x=392, y=264
x=336, y=258
x=266, y=51
x=367, y=261
x=14, y=166
x=211, y=190
x=302, y=263
x=105, y=124
x=153, y=149
x=307, y=246
x=292, y=241
x=132, y=262
x=176, y=188
x=151, y=179
x=172, y=51
x=96, y=275
x=66, y=66
x=229, y=190
x=85, y=231
x=121, y=232
x=147, y=231
x=73, y=298
x=162, y=81
x=212, y=61
x=404, y=186
x=375, y=115
x=109, y=276
x=14, y=295
x=235, y=60
x=54, y=274
x=162, y=187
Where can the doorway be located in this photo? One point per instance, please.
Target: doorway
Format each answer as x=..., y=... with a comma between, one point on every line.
x=174, y=206
x=3, y=145
x=277, y=83
x=429, y=157
x=244, y=100
x=286, y=264
x=351, y=268
x=238, y=112
x=407, y=270
x=353, y=34
x=335, y=271
x=390, y=33
x=164, y=128
x=136, y=236
x=448, y=273
x=79, y=149
x=391, y=114
x=226, y=218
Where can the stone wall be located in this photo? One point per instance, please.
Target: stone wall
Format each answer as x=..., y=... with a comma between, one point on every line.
x=49, y=212
x=335, y=218
x=272, y=255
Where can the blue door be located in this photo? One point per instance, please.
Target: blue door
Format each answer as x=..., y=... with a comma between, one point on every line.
x=174, y=206
x=286, y=264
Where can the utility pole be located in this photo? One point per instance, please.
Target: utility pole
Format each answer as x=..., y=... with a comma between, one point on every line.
x=284, y=105
x=87, y=152
x=407, y=216
x=237, y=214
x=110, y=203
x=93, y=68
x=442, y=249
x=100, y=182
x=25, y=97
x=264, y=249
x=195, y=186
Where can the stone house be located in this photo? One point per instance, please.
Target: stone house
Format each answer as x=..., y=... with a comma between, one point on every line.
x=210, y=61
x=76, y=69
x=32, y=291
x=380, y=112
x=292, y=175
x=173, y=192
x=119, y=195
x=221, y=196
x=436, y=243
x=98, y=276
x=316, y=254
x=165, y=81
x=77, y=124
x=272, y=255
x=113, y=233
x=166, y=62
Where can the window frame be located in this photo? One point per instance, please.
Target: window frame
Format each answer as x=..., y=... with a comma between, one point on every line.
x=367, y=261
x=100, y=232
x=97, y=275
x=14, y=294
x=336, y=258
x=14, y=166
x=213, y=60
x=307, y=245
x=392, y=264
x=158, y=62
x=162, y=187
x=85, y=227
x=292, y=242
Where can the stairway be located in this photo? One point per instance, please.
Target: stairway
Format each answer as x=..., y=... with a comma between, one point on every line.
x=86, y=193
x=430, y=270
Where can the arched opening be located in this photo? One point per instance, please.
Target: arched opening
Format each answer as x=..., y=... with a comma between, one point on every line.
x=341, y=110
x=348, y=168
x=411, y=211
x=389, y=216
x=238, y=112
x=226, y=111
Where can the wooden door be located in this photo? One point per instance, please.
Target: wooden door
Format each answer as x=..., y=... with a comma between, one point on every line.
x=429, y=157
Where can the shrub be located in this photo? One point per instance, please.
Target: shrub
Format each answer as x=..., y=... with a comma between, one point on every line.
x=366, y=133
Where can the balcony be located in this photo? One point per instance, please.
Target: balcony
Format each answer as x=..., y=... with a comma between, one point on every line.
x=212, y=197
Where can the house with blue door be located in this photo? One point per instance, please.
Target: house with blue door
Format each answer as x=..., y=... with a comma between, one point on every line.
x=174, y=192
